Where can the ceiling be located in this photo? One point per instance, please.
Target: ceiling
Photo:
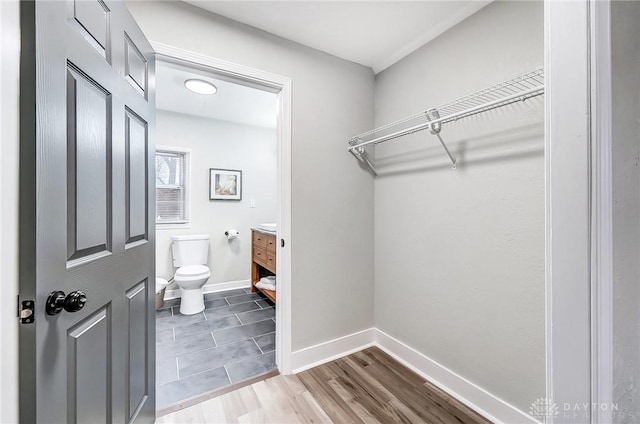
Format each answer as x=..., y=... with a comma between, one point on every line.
x=372, y=33
x=232, y=102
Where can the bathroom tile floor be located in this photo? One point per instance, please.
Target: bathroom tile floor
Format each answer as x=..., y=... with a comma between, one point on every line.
x=232, y=340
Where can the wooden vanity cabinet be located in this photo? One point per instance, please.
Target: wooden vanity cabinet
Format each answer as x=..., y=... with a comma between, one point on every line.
x=263, y=259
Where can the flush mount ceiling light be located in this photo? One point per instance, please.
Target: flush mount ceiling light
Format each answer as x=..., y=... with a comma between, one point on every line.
x=200, y=86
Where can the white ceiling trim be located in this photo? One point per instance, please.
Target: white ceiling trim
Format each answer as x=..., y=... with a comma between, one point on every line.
x=429, y=35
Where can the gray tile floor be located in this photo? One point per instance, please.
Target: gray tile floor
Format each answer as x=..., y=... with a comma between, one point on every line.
x=232, y=340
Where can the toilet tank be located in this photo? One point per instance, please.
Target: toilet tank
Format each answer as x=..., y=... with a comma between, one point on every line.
x=190, y=250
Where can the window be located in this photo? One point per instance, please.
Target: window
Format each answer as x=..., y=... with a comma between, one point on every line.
x=172, y=186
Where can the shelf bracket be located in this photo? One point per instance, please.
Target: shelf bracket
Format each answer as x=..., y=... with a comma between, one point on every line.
x=435, y=128
x=361, y=155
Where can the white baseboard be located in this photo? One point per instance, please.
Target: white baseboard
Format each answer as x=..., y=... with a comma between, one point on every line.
x=212, y=288
x=472, y=395
x=319, y=354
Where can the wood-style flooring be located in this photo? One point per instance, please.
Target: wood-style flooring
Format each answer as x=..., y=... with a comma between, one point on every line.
x=365, y=387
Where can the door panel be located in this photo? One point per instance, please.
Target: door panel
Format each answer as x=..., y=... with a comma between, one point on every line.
x=136, y=177
x=135, y=66
x=86, y=150
x=138, y=351
x=93, y=19
x=88, y=166
x=88, y=353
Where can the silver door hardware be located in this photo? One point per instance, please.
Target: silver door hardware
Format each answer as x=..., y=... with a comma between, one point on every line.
x=25, y=312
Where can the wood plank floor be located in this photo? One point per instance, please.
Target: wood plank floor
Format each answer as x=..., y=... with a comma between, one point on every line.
x=365, y=387
x=277, y=400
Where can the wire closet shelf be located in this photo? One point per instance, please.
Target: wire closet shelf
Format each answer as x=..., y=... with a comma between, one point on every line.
x=518, y=89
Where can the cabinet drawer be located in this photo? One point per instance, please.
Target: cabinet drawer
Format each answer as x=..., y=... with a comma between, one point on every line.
x=271, y=262
x=271, y=244
x=259, y=240
x=260, y=255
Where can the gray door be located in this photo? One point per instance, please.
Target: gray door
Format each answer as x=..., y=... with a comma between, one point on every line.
x=87, y=112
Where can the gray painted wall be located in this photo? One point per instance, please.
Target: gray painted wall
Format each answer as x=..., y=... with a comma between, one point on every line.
x=220, y=144
x=332, y=217
x=460, y=253
x=625, y=39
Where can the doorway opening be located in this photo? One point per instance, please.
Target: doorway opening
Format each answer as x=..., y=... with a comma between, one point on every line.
x=222, y=200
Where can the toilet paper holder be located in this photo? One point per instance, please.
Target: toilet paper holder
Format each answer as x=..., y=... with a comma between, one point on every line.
x=231, y=234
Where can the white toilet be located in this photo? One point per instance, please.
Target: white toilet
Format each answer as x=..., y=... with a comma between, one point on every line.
x=190, y=254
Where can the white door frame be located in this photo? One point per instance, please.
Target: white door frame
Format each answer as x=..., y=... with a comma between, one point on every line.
x=9, y=199
x=579, y=204
x=602, y=216
x=282, y=86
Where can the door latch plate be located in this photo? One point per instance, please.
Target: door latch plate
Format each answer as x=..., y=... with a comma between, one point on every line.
x=26, y=312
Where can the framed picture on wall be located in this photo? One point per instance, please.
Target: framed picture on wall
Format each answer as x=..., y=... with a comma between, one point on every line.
x=225, y=184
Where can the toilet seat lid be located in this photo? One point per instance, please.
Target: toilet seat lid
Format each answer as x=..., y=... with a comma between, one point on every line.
x=192, y=271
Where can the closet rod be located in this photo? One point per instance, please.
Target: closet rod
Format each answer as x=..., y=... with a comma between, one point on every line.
x=503, y=101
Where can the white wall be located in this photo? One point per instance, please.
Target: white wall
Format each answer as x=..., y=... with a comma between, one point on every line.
x=626, y=219
x=332, y=218
x=460, y=253
x=9, y=136
x=221, y=144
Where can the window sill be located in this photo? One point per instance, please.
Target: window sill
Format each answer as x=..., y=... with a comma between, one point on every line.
x=173, y=226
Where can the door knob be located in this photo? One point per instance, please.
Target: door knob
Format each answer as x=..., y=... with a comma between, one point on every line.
x=73, y=302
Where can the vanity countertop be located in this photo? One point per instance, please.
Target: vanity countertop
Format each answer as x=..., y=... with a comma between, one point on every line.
x=268, y=233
